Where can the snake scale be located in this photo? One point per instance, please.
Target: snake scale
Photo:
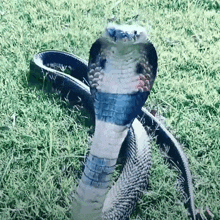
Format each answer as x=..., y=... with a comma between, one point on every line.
x=121, y=70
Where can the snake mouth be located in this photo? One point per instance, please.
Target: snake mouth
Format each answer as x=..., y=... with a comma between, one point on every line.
x=125, y=34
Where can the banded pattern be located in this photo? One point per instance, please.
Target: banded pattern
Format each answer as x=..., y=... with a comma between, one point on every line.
x=122, y=69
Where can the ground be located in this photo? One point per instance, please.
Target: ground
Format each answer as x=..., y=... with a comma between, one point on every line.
x=43, y=143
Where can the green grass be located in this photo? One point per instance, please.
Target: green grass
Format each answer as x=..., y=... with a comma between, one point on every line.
x=43, y=143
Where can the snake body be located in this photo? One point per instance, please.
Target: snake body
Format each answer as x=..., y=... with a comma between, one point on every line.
x=121, y=71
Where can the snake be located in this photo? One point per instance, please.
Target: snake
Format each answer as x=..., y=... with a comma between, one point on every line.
x=113, y=88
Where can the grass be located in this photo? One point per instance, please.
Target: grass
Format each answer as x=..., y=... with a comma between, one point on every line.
x=43, y=143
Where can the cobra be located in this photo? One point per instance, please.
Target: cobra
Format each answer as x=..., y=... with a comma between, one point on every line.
x=121, y=72
x=122, y=69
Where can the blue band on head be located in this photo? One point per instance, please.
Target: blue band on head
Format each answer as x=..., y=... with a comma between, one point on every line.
x=119, y=109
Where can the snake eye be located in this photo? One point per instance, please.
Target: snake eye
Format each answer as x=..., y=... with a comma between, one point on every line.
x=135, y=32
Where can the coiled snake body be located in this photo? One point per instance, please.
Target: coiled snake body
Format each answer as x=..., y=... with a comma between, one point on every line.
x=121, y=71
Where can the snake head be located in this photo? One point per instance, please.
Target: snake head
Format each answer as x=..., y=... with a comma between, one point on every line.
x=125, y=33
